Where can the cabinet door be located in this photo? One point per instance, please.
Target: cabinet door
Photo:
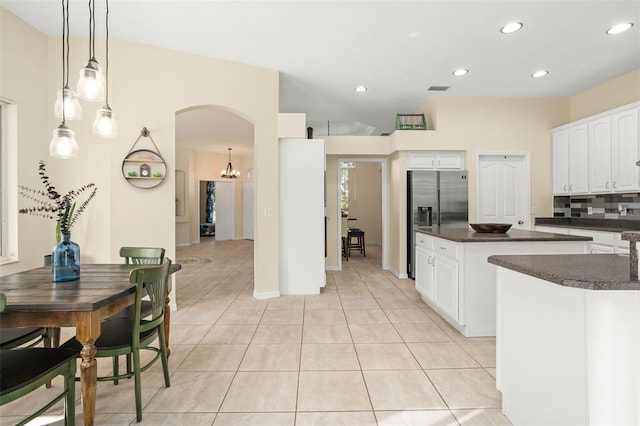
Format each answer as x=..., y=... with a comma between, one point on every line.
x=561, y=162
x=421, y=160
x=625, y=174
x=424, y=272
x=600, y=249
x=445, y=292
x=600, y=155
x=578, y=160
x=449, y=161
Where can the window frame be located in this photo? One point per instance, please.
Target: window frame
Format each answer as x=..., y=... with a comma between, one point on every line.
x=8, y=181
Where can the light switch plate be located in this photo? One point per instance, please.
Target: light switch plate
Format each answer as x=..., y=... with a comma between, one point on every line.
x=589, y=211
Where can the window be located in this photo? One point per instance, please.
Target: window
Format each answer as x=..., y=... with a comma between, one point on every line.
x=345, y=166
x=8, y=182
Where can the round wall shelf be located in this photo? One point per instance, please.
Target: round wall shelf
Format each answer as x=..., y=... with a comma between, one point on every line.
x=144, y=168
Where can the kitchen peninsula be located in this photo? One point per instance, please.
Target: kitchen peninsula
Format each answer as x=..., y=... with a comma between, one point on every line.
x=454, y=278
x=568, y=346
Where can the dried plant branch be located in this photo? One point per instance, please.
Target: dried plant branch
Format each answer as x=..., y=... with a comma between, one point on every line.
x=51, y=204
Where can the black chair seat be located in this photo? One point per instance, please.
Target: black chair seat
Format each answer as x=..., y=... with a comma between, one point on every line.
x=14, y=337
x=145, y=310
x=22, y=366
x=115, y=334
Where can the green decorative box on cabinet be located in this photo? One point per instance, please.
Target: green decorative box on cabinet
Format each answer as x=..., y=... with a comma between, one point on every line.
x=410, y=122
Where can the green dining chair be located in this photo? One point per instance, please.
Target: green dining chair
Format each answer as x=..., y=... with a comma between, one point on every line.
x=137, y=256
x=24, y=370
x=123, y=336
x=140, y=256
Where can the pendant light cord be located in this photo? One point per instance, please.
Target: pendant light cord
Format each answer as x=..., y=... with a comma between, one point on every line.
x=65, y=52
x=92, y=28
x=106, y=66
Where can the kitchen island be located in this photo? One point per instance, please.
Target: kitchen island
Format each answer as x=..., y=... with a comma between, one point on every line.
x=568, y=339
x=454, y=278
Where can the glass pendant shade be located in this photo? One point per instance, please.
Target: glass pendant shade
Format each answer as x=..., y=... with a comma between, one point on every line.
x=105, y=124
x=91, y=84
x=72, y=108
x=63, y=144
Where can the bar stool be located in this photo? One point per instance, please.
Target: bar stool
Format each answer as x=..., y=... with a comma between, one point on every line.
x=355, y=241
x=345, y=252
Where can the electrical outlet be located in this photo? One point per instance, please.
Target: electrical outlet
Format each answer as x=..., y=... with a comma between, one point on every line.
x=589, y=211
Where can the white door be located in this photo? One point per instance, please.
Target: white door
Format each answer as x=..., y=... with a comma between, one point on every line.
x=225, y=211
x=503, y=190
x=247, y=209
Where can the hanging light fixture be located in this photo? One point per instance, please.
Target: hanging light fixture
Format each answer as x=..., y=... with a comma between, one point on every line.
x=63, y=144
x=229, y=172
x=91, y=82
x=66, y=95
x=105, y=123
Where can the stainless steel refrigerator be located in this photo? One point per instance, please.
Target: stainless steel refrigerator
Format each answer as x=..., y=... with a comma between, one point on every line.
x=434, y=198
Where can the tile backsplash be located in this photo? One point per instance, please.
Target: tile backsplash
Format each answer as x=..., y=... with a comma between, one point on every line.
x=601, y=206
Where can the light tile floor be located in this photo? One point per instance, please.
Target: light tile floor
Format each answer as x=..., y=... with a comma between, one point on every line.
x=366, y=351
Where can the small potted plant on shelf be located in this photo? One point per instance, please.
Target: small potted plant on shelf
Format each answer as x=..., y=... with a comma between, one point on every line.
x=65, y=210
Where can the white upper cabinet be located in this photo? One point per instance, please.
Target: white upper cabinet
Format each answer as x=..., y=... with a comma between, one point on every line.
x=598, y=154
x=625, y=135
x=561, y=162
x=570, y=161
x=613, y=152
x=435, y=160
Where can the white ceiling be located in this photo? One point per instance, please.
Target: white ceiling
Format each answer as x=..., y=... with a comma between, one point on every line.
x=323, y=49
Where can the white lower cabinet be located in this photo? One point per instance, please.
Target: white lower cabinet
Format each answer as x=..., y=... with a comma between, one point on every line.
x=445, y=288
x=424, y=272
x=456, y=281
x=604, y=242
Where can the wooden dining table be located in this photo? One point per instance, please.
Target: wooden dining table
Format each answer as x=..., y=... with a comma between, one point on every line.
x=34, y=300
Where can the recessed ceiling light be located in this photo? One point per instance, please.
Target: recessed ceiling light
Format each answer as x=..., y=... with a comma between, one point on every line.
x=360, y=89
x=511, y=28
x=619, y=28
x=539, y=74
x=460, y=71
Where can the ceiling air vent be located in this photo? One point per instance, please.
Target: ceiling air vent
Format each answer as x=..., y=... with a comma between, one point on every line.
x=438, y=88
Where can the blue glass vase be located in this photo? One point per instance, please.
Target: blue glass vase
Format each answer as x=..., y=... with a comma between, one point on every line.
x=66, y=260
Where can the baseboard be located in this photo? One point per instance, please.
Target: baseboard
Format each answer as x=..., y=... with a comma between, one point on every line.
x=398, y=274
x=331, y=268
x=266, y=295
x=183, y=245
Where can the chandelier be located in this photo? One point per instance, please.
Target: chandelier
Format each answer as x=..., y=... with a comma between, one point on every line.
x=229, y=172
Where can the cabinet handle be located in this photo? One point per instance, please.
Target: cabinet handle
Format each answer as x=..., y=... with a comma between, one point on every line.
x=615, y=184
x=429, y=260
x=570, y=187
x=565, y=188
x=443, y=248
x=606, y=185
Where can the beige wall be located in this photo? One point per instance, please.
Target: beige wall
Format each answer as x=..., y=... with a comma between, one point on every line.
x=23, y=80
x=148, y=86
x=612, y=94
x=365, y=200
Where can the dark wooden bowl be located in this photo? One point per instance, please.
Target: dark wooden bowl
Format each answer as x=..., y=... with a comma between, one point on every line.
x=491, y=228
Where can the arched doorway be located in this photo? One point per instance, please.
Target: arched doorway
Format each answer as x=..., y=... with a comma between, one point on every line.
x=204, y=134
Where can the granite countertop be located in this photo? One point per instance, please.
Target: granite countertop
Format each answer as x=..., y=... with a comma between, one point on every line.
x=585, y=271
x=608, y=225
x=468, y=235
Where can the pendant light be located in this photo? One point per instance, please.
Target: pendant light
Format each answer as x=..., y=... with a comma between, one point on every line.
x=63, y=144
x=229, y=172
x=66, y=95
x=105, y=123
x=91, y=82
